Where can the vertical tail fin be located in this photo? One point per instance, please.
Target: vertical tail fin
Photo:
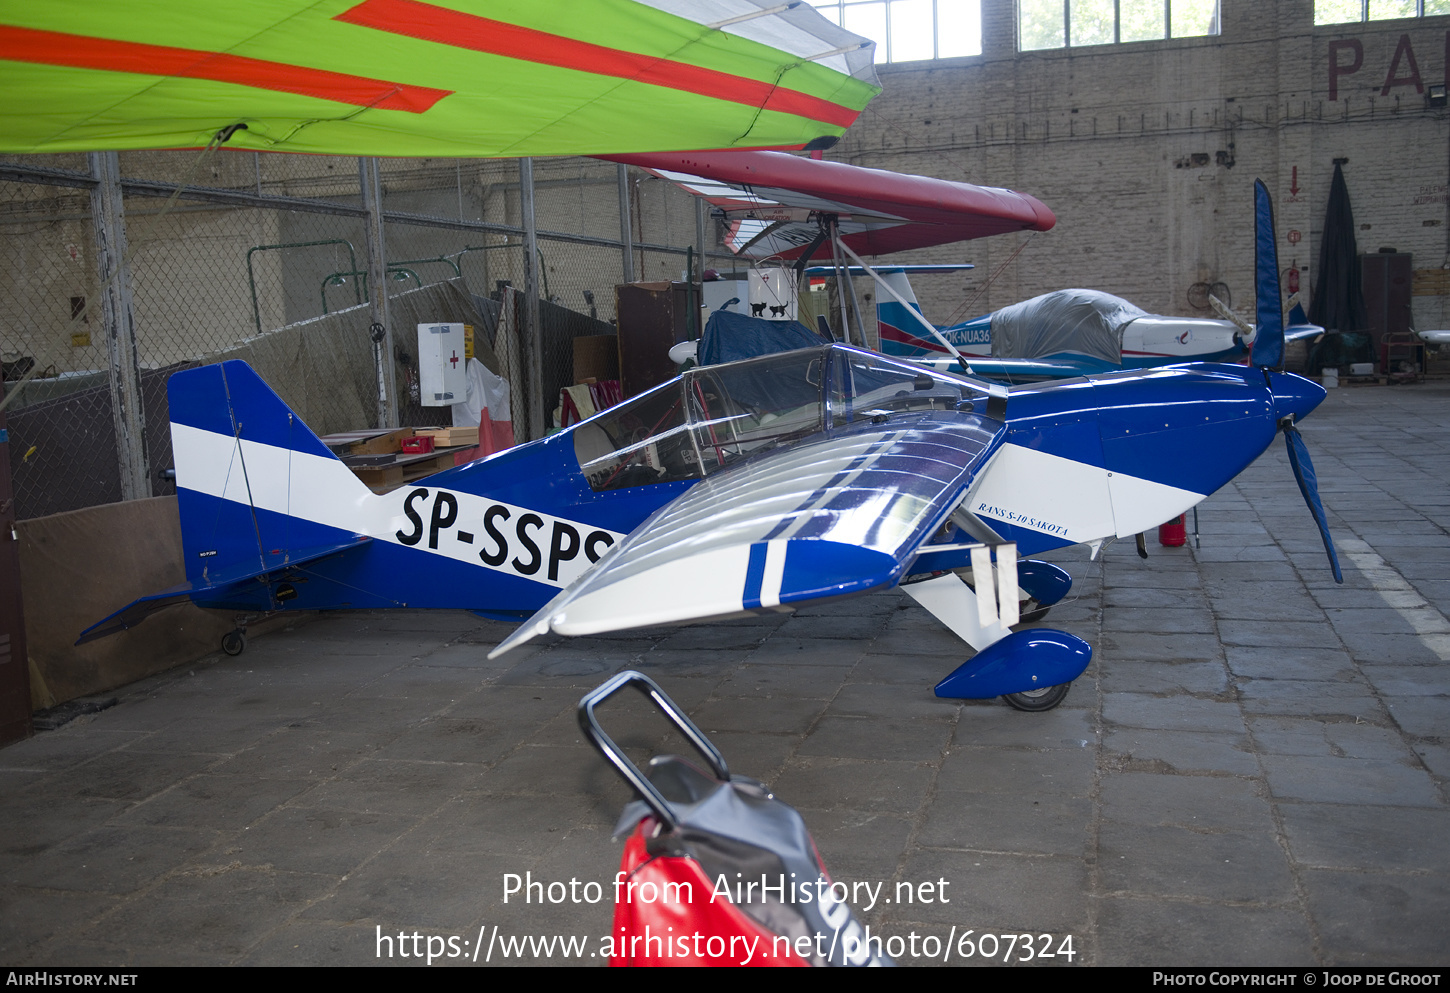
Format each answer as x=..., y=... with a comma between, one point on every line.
x=253, y=482
x=900, y=333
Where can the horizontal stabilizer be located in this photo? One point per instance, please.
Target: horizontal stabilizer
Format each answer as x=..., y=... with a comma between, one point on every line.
x=235, y=580
x=135, y=612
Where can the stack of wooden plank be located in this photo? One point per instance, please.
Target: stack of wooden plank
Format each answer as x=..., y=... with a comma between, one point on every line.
x=376, y=457
x=451, y=437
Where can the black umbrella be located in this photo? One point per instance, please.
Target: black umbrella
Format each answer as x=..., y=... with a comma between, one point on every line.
x=1338, y=303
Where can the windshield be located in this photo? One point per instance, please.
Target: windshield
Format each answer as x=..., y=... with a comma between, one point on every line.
x=866, y=386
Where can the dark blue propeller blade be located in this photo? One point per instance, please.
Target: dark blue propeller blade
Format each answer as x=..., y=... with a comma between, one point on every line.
x=1268, y=349
x=1309, y=486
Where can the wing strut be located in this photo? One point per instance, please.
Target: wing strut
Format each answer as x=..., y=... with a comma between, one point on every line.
x=843, y=284
x=886, y=288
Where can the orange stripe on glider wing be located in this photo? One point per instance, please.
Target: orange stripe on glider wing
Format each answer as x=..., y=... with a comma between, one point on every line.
x=82, y=52
x=481, y=34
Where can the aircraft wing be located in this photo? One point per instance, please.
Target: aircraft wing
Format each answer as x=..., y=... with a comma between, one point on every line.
x=769, y=201
x=827, y=517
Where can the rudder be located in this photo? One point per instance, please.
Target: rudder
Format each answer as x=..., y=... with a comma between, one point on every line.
x=250, y=476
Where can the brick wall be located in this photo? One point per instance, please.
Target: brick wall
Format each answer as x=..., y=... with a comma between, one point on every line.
x=1147, y=152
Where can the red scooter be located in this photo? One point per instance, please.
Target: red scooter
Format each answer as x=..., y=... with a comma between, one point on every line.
x=716, y=871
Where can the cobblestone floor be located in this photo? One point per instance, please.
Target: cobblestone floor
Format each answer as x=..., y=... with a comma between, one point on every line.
x=1253, y=770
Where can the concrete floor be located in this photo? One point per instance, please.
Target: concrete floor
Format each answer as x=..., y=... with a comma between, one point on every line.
x=1253, y=770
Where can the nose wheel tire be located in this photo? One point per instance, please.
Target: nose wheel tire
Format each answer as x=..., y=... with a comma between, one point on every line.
x=1038, y=700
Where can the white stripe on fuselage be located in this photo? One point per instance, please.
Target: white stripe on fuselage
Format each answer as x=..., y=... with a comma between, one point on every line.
x=1071, y=500
x=774, y=575
x=516, y=540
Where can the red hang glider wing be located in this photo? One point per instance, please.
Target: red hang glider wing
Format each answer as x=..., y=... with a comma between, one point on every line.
x=769, y=199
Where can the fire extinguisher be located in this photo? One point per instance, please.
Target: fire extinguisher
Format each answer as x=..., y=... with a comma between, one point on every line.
x=1291, y=279
x=1174, y=533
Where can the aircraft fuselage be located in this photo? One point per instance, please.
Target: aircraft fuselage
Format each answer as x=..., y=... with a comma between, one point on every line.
x=1079, y=460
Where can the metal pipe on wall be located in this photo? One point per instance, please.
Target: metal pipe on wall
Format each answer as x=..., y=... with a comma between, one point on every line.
x=382, y=333
x=626, y=228
x=699, y=275
x=531, y=330
x=114, y=277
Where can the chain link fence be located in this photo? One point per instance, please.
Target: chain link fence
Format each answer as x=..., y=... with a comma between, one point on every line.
x=208, y=256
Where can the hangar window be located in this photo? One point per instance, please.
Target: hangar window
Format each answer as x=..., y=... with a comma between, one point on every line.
x=1044, y=24
x=911, y=30
x=1350, y=11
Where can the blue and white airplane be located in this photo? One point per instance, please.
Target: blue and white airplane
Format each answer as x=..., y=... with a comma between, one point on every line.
x=739, y=488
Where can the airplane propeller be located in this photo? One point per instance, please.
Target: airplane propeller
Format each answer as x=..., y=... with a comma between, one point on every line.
x=1290, y=398
x=1309, y=486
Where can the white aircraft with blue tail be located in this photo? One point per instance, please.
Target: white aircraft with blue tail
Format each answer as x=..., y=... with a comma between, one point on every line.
x=747, y=487
x=1063, y=333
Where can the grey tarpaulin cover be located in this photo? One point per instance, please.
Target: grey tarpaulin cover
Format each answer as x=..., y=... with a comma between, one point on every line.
x=1087, y=322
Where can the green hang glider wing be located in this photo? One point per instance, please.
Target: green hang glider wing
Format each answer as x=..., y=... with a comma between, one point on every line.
x=460, y=78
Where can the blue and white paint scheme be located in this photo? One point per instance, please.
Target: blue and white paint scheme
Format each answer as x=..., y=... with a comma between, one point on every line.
x=744, y=487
